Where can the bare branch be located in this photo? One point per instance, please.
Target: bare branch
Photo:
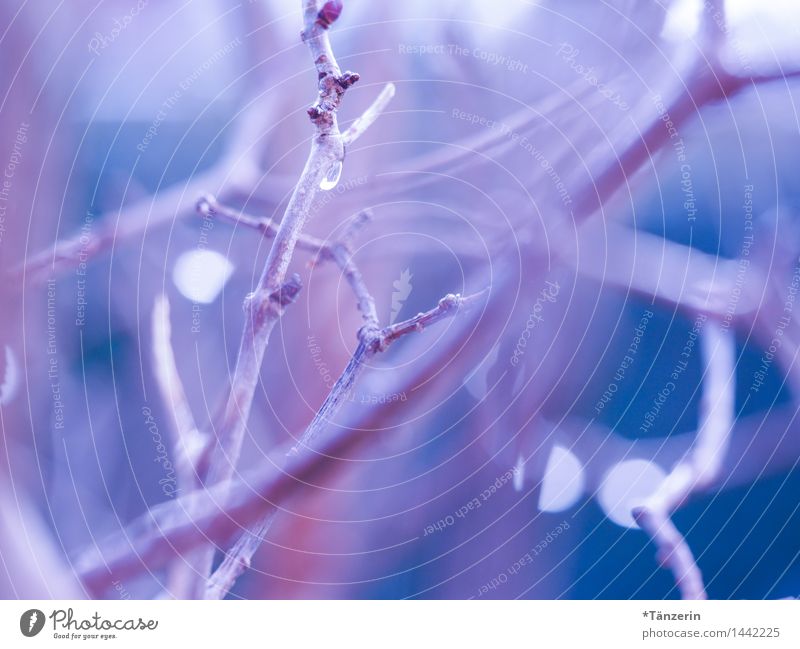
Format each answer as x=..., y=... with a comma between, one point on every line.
x=327, y=149
x=447, y=306
x=338, y=252
x=188, y=442
x=357, y=128
x=177, y=527
x=181, y=526
x=782, y=75
x=700, y=467
x=708, y=82
x=634, y=260
x=262, y=311
x=371, y=341
x=366, y=303
x=239, y=558
x=235, y=172
x=208, y=206
x=172, y=529
x=673, y=551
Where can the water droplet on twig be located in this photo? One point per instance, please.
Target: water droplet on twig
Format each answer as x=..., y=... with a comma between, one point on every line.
x=331, y=178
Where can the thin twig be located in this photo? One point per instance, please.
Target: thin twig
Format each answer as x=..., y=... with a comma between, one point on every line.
x=700, y=467
x=174, y=528
x=208, y=206
x=261, y=314
x=357, y=128
x=187, y=442
x=338, y=251
x=178, y=527
x=327, y=149
x=375, y=342
x=447, y=306
x=371, y=341
x=239, y=557
x=236, y=172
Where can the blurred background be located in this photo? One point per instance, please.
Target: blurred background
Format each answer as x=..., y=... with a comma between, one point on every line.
x=118, y=116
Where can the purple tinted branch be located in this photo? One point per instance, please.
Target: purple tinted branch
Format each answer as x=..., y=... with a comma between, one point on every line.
x=235, y=172
x=210, y=515
x=368, y=117
x=371, y=341
x=209, y=206
x=327, y=148
x=174, y=528
x=188, y=442
x=701, y=466
x=205, y=516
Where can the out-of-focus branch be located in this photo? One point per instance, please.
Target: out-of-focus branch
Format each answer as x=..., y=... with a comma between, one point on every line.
x=783, y=75
x=368, y=117
x=174, y=528
x=188, y=442
x=637, y=261
x=707, y=83
x=700, y=467
x=327, y=152
x=209, y=515
x=235, y=173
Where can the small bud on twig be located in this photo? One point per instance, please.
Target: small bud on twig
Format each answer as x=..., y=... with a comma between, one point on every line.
x=330, y=11
x=288, y=291
x=348, y=79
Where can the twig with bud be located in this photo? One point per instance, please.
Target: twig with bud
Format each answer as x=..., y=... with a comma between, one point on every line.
x=372, y=339
x=322, y=166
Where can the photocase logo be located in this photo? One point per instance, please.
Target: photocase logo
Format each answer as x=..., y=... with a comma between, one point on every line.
x=402, y=289
x=31, y=622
